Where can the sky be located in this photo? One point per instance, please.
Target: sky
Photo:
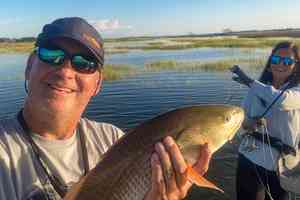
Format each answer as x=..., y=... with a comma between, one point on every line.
x=123, y=18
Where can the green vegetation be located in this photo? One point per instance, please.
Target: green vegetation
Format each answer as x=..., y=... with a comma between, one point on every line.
x=216, y=43
x=16, y=47
x=156, y=43
x=221, y=65
x=118, y=71
x=124, y=45
x=127, y=39
x=113, y=51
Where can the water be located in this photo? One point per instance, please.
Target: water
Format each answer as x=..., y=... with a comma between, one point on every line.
x=130, y=101
x=200, y=54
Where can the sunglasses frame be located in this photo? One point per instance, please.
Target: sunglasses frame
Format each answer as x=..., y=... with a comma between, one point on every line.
x=71, y=57
x=284, y=60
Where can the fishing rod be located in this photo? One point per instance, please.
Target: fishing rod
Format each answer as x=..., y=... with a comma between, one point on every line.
x=244, y=79
x=276, y=143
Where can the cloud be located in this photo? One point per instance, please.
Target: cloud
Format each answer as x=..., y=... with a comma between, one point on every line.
x=109, y=25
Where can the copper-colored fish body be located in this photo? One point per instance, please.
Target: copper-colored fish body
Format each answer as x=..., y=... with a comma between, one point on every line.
x=125, y=171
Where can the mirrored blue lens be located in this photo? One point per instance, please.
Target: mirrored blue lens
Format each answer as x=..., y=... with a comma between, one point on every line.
x=80, y=63
x=84, y=64
x=275, y=60
x=53, y=57
x=288, y=61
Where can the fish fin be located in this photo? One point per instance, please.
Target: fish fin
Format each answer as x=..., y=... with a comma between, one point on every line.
x=199, y=180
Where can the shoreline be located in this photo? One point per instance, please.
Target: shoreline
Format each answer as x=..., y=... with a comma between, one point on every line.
x=171, y=43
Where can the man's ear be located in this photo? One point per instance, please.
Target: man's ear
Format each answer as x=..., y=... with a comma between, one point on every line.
x=29, y=65
x=99, y=83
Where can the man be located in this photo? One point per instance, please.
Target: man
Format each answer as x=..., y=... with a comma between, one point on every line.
x=48, y=147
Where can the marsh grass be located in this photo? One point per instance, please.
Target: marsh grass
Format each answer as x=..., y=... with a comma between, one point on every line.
x=214, y=42
x=121, y=45
x=118, y=71
x=193, y=66
x=222, y=42
x=17, y=47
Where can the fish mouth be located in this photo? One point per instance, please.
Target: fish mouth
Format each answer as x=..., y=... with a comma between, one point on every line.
x=238, y=115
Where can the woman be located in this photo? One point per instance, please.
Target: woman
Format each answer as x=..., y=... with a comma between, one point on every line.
x=258, y=156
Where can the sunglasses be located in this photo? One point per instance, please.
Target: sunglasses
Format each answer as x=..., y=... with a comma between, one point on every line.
x=81, y=63
x=287, y=61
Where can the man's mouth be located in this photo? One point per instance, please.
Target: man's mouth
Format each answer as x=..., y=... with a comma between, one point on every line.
x=280, y=70
x=60, y=89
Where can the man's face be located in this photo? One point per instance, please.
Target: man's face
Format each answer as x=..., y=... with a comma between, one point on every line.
x=61, y=88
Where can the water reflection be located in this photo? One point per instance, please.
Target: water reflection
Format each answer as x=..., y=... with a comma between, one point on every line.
x=130, y=101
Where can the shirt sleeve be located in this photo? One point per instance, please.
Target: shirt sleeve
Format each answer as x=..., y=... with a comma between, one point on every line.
x=7, y=189
x=289, y=100
x=253, y=105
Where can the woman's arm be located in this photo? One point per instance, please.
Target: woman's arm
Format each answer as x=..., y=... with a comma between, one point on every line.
x=289, y=100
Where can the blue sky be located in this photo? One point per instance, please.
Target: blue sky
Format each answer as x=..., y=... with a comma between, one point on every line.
x=118, y=18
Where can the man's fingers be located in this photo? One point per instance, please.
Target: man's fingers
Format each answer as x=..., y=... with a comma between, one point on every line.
x=204, y=158
x=158, y=183
x=167, y=168
x=178, y=161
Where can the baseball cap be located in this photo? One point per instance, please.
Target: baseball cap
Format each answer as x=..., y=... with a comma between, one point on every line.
x=77, y=29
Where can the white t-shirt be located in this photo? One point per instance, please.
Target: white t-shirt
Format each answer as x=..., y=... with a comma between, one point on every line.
x=283, y=122
x=21, y=176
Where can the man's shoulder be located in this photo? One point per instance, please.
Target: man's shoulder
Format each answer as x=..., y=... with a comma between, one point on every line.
x=87, y=123
x=9, y=127
x=101, y=129
x=11, y=139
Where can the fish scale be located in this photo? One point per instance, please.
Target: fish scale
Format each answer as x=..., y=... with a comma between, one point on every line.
x=125, y=173
x=135, y=181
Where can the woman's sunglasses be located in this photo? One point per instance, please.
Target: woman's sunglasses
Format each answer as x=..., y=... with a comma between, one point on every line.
x=80, y=63
x=287, y=61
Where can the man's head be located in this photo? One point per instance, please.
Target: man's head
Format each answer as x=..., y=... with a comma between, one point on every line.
x=65, y=70
x=77, y=29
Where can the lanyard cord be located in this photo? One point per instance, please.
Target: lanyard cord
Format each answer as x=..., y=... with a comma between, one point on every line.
x=59, y=187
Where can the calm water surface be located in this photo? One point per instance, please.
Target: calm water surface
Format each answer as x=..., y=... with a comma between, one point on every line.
x=130, y=101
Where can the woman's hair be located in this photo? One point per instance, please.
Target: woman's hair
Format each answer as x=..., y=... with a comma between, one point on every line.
x=267, y=77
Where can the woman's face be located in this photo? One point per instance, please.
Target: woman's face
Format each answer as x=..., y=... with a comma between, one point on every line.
x=282, y=65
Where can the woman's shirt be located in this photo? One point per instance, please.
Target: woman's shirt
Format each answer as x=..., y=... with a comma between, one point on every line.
x=283, y=122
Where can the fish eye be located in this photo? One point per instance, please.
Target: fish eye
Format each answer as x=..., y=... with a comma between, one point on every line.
x=227, y=118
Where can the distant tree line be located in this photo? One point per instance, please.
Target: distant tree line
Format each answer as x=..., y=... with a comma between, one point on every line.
x=23, y=39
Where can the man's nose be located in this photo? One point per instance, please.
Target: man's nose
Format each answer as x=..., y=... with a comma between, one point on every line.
x=66, y=69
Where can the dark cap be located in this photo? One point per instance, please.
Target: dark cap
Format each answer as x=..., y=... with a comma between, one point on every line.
x=77, y=29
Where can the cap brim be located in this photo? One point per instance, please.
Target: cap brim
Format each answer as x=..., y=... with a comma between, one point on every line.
x=80, y=41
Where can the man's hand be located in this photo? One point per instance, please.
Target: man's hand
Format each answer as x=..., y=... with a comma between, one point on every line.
x=241, y=77
x=169, y=177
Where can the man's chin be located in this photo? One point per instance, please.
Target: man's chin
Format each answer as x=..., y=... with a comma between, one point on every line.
x=55, y=107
